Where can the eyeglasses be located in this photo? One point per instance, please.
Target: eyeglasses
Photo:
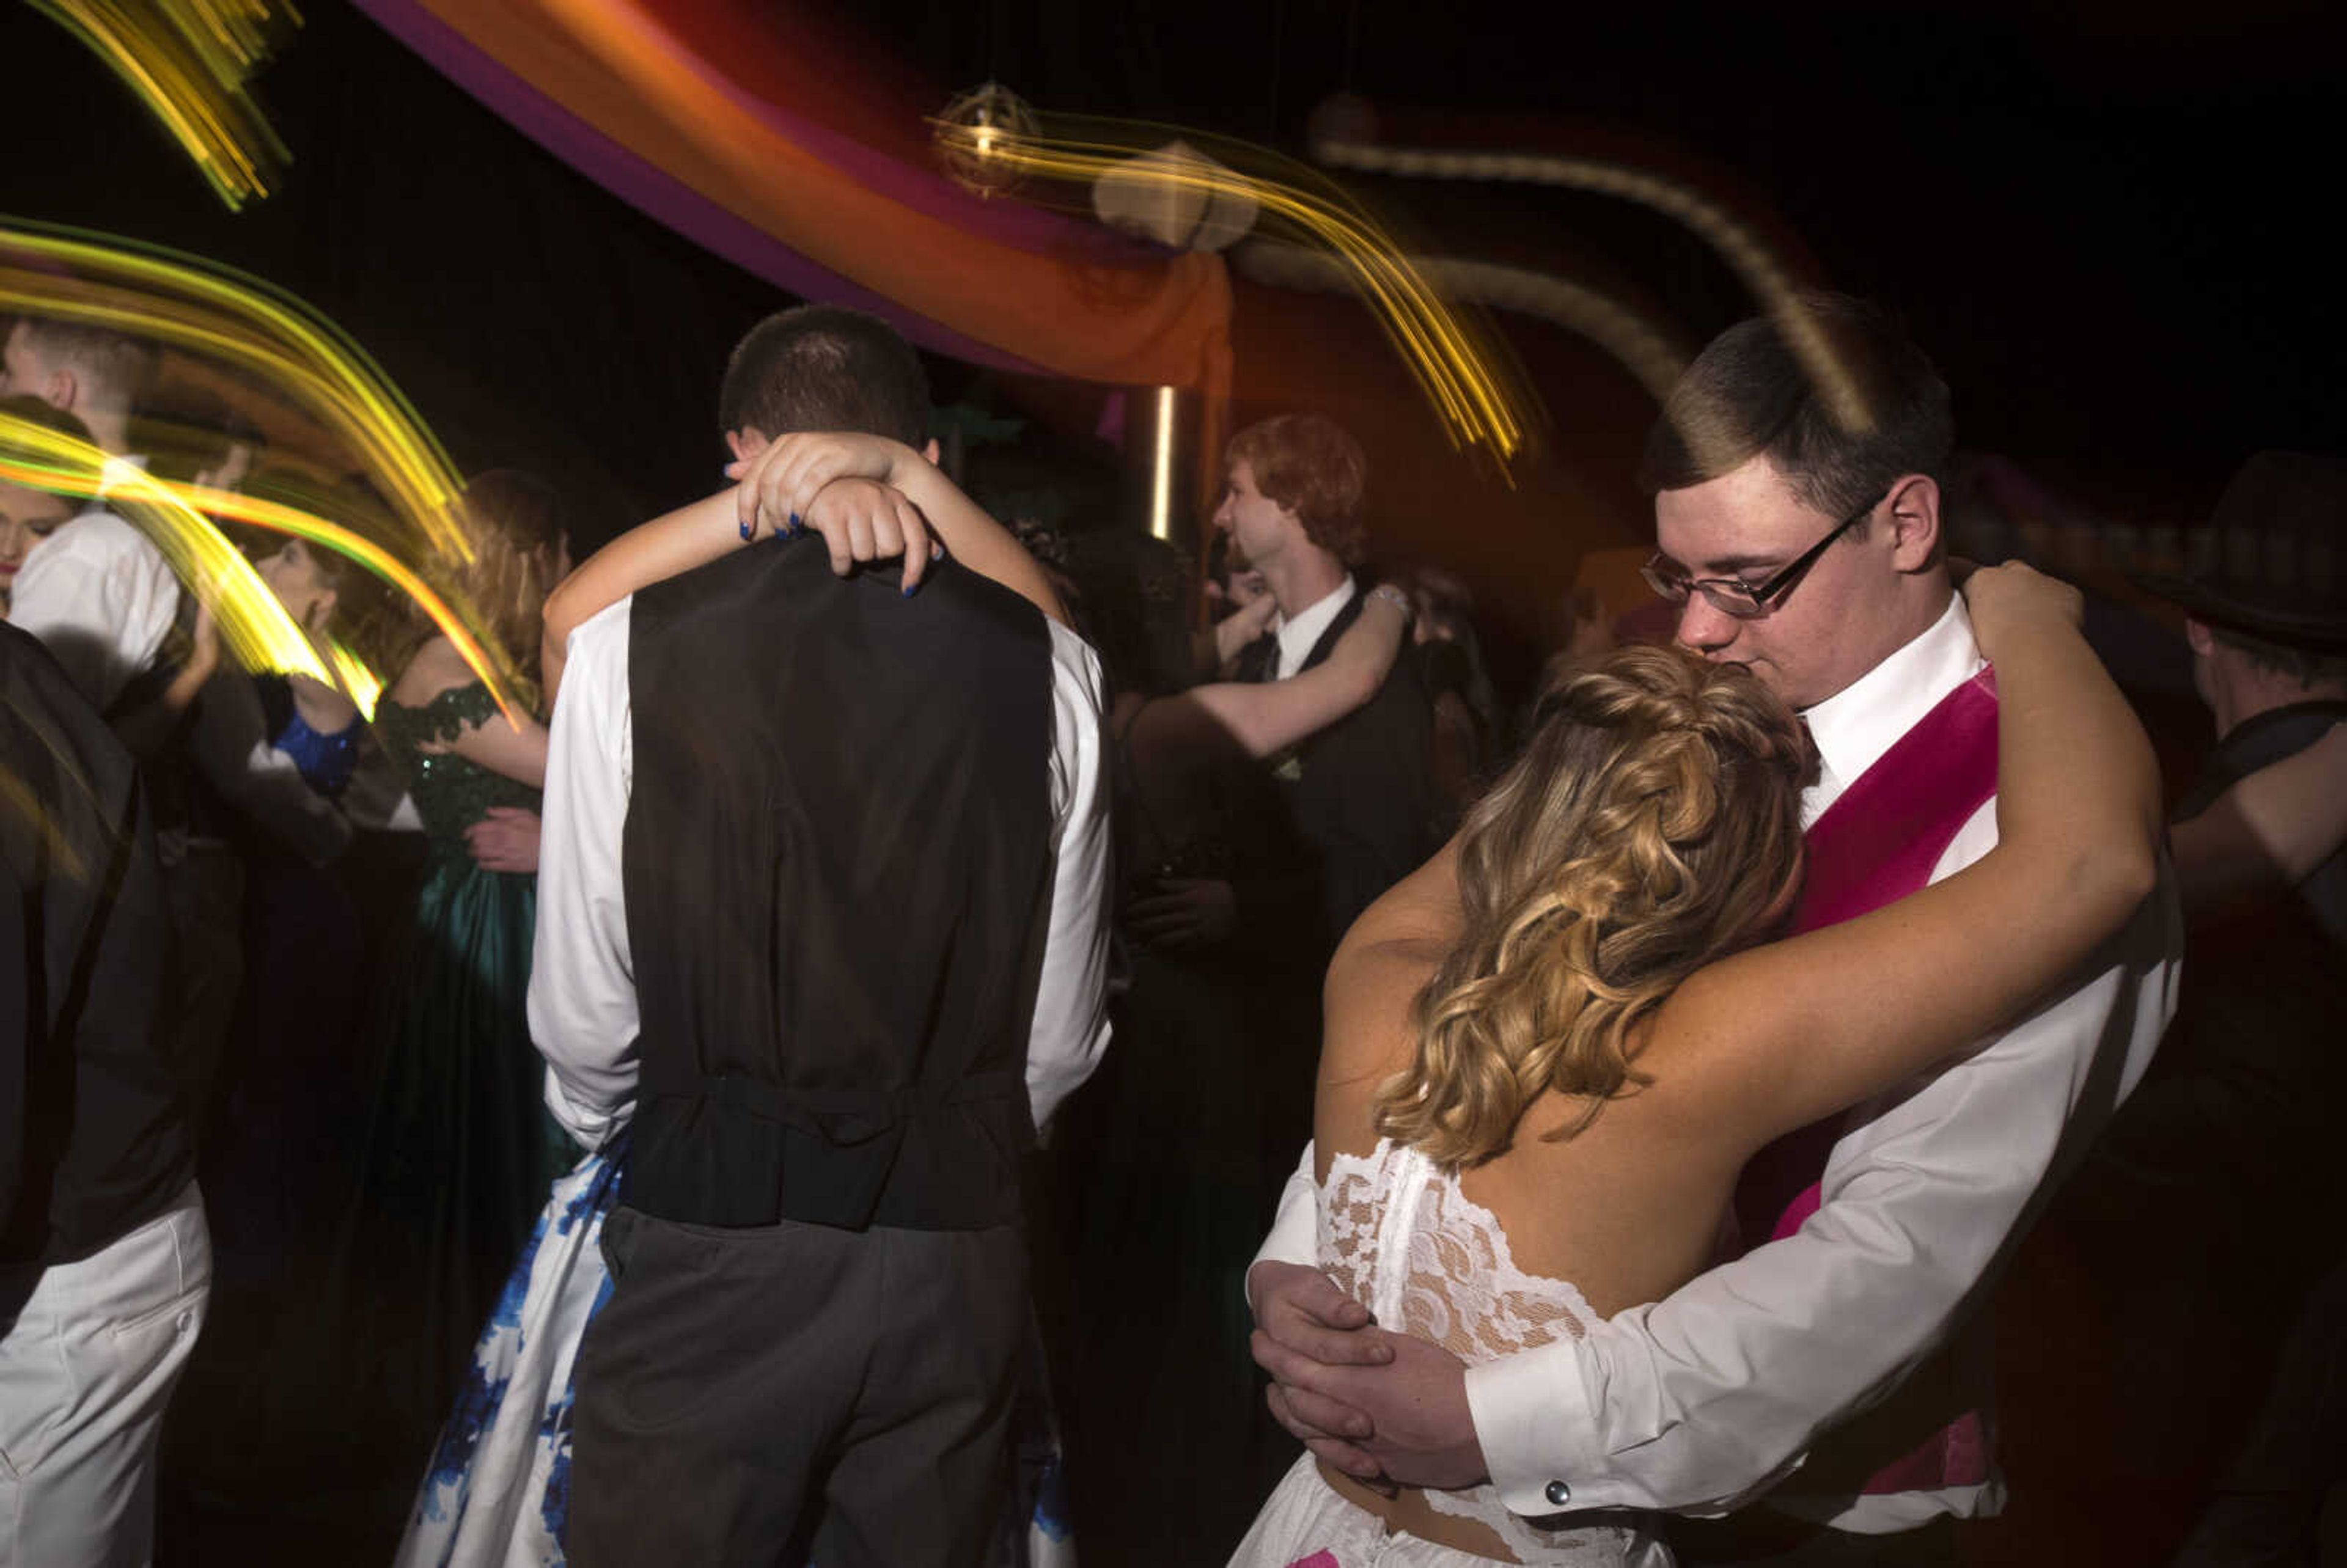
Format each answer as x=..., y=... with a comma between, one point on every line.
x=1747, y=601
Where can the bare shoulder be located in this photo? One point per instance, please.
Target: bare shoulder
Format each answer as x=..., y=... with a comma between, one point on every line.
x=1367, y=1001
x=437, y=667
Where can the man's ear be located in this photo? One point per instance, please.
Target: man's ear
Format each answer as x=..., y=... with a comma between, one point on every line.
x=1914, y=503
x=322, y=611
x=2197, y=635
x=746, y=443
x=62, y=389
x=929, y=452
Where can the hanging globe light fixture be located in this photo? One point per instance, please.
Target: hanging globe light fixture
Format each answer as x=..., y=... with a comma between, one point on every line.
x=975, y=130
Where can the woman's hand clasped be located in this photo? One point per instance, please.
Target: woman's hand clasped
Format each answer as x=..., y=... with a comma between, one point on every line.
x=837, y=486
x=2015, y=590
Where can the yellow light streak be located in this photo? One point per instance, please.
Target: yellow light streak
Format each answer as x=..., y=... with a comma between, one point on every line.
x=1637, y=344
x=362, y=685
x=217, y=313
x=252, y=620
x=227, y=317
x=1457, y=363
x=1738, y=245
x=189, y=61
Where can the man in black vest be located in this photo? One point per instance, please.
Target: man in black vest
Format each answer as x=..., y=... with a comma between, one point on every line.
x=105, y=1263
x=1362, y=790
x=821, y=921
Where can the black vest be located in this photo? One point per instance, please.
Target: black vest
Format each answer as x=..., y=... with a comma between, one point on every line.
x=838, y=869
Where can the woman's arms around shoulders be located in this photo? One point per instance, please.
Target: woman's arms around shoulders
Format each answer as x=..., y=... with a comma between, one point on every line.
x=1779, y=1036
x=869, y=498
x=1266, y=716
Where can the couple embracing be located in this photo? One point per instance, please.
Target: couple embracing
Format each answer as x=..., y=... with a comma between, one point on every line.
x=1672, y=1122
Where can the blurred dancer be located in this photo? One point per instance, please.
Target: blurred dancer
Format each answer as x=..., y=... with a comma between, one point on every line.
x=105, y=1263
x=98, y=593
x=1362, y=790
x=457, y=1150
x=28, y=516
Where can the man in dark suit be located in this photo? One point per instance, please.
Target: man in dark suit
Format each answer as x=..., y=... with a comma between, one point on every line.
x=1362, y=790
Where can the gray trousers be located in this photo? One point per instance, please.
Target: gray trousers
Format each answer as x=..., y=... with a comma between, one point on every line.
x=749, y=1396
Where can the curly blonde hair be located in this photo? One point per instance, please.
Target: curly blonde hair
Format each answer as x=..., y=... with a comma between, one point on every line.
x=1651, y=826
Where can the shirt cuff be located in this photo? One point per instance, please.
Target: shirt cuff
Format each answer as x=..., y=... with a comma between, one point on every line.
x=1537, y=1425
x=587, y=1128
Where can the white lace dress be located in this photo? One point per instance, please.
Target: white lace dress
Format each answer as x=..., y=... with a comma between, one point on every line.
x=1397, y=1234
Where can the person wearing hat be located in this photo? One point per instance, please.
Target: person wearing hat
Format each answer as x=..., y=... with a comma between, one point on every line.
x=2267, y=622
x=2200, y=1192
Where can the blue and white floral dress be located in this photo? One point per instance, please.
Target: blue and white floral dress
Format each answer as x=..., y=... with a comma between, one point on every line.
x=499, y=1485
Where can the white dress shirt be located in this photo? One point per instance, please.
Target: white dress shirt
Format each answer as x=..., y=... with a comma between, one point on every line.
x=1697, y=1402
x=101, y=599
x=1297, y=637
x=582, y=993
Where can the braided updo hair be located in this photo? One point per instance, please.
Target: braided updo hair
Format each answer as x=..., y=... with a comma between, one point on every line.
x=1651, y=826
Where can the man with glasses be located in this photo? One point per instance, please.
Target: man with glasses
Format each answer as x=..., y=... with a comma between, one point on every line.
x=1838, y=1365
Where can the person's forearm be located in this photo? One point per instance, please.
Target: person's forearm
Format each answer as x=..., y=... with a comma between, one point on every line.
x=2267, y=833
x=1692, y=1403
x=975, y=539
x=1267, y=716
x=647, y=553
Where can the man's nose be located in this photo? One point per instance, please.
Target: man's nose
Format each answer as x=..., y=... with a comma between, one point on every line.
x=1704, y=626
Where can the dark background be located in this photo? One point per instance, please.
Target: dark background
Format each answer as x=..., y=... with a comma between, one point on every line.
x=2108, y=221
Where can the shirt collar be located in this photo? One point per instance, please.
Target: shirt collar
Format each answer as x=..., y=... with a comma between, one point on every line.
x=1852, y=728
x=1296, y=635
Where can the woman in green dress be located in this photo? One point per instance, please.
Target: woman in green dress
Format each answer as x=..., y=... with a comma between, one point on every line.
x=457, y=1150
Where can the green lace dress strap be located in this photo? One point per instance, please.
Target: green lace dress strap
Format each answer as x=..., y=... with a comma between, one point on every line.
x=440, y=719
x=451, y=793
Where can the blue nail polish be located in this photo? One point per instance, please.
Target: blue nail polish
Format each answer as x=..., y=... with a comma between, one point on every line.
x=907, y=591
x=746, y=533
x=794, y=525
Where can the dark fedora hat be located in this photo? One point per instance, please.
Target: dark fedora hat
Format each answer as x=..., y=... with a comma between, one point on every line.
x=2272, y=561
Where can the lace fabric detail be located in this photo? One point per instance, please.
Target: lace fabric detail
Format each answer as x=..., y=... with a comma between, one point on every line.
x=1399, y=1237
x=451, y=793
x=441, y=719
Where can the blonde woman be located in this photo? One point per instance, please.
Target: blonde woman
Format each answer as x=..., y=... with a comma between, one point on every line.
x=1549, y=1052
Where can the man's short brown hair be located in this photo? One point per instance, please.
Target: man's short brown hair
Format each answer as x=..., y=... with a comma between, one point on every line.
x=825, y=368
x=1312, y=466
x=119, y=371
x=1748, y=393
x=2308, y=667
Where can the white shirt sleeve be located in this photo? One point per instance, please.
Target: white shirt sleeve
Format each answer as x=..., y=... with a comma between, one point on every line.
x=1695, y=1402
x=582, y=990
x=1069, y=1031
x=1296, y=1230
x=101, y=599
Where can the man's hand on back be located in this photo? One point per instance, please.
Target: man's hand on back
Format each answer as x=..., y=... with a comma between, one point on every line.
x=1383, y=1408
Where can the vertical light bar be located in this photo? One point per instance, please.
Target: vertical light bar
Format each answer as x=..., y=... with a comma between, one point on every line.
x=1161, y=481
